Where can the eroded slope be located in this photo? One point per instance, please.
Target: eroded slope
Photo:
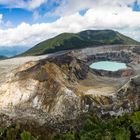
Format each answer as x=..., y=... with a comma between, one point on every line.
x=63, y=87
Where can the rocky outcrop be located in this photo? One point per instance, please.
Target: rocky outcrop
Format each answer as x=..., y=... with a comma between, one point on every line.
x=47, y=85
x=120, y=73
x=59, y=89
x=125, y=100
x=122, y=56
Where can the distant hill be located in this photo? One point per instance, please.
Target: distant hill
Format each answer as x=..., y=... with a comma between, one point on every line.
x=12, y=51
x=88, y=38
x=2, y=57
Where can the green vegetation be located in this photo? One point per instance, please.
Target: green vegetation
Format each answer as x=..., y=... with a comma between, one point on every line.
x=126, y=127
x=27, y=136
x=89, y=38
x=117, y=128
x=14, y=132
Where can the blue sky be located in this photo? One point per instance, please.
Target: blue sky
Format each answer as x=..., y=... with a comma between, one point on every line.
x=136, y=6
x=27, y=22
x=16, y=15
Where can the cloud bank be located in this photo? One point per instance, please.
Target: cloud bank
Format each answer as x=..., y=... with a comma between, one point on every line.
x=117, y=15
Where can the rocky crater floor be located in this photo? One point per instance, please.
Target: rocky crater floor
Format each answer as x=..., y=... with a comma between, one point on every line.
x=54, y=89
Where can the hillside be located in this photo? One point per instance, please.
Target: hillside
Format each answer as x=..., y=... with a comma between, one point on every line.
x=2, y=57
x=88, y=38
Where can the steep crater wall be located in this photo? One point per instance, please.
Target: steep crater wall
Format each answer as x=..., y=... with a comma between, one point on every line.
x=62, y=88
x=117, y=56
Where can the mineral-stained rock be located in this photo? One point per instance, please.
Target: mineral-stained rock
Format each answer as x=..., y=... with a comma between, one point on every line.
x=127, y=72
x=47, y=86
x=51, y=92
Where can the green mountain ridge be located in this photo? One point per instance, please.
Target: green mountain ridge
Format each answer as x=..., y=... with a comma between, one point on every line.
x=88, y=38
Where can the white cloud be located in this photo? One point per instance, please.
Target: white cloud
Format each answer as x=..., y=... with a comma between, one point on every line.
x=1, y=18
x=122, y=19
x=66, y=6
x=4, y=24
x=33, y=4
x=36, y=15
x=102, y=14
x=30, y=5
x=71, y=6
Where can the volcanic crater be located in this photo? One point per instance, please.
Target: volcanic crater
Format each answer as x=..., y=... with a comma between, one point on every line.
x=62, y=86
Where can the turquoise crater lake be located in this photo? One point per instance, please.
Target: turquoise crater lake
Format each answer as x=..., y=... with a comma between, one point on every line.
x=108, y=65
